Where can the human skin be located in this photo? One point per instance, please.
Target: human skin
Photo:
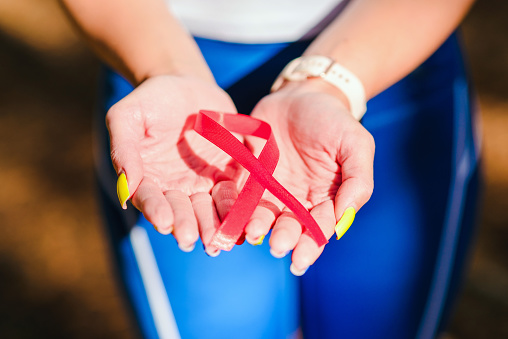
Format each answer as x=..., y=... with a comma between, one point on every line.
x=325, y=152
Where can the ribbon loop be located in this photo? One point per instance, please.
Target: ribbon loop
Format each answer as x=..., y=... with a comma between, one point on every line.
x=217, y=127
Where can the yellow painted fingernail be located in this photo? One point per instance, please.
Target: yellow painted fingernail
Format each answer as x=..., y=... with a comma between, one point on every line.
x=260, y=241
x=345, y=222
x=122, y=189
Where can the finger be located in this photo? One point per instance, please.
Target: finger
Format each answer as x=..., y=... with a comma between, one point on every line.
x=224, y=195
x=261, y=221
x=149, y=199
x=185, y=224
x=357, y=165
x=208, y=220
x=285, y=234
x=307, y=251
x=125, y=136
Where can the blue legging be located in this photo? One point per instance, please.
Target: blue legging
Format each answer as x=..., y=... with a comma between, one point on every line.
x=395, y=272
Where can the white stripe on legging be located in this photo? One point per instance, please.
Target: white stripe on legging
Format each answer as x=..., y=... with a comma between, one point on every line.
x=158, y=301
x=463, y=169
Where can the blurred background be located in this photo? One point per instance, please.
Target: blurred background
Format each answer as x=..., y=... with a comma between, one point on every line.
x=56, y=279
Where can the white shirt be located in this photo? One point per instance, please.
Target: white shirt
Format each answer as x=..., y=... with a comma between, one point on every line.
x=252, y=21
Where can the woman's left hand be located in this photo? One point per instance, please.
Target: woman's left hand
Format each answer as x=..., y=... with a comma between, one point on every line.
x=326, y=162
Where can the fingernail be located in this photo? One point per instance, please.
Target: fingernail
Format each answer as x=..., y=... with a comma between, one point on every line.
x=212, y=254
x=278, y=255
x=187, y=248
x=122, y=189
x=163, y=231
x=259, y=241
x=297, y=272
x=345, y=222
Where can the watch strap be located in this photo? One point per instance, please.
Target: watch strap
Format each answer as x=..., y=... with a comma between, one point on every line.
x=316, y=66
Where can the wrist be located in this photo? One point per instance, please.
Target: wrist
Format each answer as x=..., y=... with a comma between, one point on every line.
x=196, y=69
x=314, y=86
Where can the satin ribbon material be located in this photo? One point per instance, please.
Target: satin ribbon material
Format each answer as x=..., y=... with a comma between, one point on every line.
x=217, y=127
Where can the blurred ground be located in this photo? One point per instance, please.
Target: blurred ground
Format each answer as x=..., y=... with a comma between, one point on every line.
x=55, y=274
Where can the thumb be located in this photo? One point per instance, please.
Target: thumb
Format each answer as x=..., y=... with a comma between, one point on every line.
x=125, y=137
x=357, y=182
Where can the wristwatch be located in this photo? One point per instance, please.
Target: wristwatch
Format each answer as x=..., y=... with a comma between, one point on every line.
x=317, y=66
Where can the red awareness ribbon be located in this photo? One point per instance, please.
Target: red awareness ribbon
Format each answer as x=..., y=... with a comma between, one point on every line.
x=217, y=127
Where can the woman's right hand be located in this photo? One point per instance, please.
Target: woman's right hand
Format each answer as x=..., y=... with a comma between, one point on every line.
x=170, y=170
x=326, y=162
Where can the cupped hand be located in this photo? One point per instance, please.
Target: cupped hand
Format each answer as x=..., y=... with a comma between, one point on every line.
x=326, y=162
x=170, y=169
